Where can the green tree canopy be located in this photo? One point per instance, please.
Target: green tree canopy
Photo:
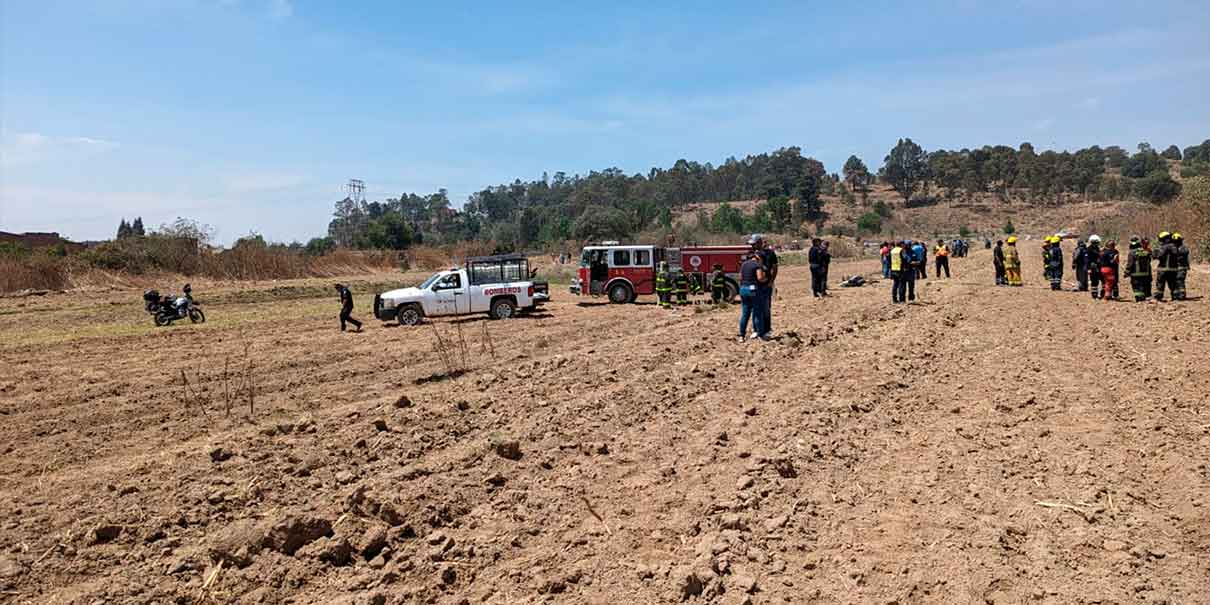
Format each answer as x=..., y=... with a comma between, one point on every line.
x=906, y=168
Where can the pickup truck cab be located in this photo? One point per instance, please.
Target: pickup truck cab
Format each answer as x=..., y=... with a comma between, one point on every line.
x=500, y=286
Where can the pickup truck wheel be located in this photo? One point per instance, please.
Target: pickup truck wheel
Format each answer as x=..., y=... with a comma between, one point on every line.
x=408, y=315
x=620, y=294
x=503, y=308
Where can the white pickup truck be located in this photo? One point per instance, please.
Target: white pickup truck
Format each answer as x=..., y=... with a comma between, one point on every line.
x=497, y=285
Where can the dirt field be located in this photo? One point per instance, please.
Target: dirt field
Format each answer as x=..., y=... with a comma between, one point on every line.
x=983, y=445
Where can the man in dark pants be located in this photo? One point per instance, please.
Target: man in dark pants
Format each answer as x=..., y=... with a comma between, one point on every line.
x=1182, y=266
x=1169, y=262
x=346, y=308
x=1055, y=258
x=827, y=262
x=942, y=255
x=764, y=291
x=815, y=259
x=998, y=263
x=1079, y=262
x=1138, y=267
x=718, y=284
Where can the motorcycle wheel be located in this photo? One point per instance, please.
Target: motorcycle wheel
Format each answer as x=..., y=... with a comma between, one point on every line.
x=196, y=315
x=160, y=320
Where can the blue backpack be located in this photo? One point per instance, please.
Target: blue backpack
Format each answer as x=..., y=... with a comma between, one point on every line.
x=917, y=252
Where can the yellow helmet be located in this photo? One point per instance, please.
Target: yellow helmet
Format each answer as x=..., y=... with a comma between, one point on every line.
x=1165, y=234
x=1177, y=237
x=1012, y=239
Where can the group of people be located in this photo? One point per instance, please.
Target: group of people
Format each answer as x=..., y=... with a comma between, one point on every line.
x=916, y=259
x=757, y=275
x=1098, y=267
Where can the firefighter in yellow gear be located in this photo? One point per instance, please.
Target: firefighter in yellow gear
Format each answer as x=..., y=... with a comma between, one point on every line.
x=681, y=282
x=1012, y=262
x=1138, y=267
x=663, y=286
x=1182, y=266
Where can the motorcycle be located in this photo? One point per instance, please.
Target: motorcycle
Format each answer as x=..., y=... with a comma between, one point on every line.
x=165, y=309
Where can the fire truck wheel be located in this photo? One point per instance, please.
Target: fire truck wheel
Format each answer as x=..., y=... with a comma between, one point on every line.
x=408, y=315
x=503, y=308
x=620, y=293
x=731, y=293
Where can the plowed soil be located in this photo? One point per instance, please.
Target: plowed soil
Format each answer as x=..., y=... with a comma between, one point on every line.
x=982, y=445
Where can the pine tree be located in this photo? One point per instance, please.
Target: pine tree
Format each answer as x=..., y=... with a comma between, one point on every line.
x=124, y=229
x=137, y=227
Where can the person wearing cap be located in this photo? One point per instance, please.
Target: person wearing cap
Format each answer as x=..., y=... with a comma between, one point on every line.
x=764, y=289
x=1079, y=264
x=346, y=308
x=1094, y=266
x=1182, y=266
x=1055, y=258
x=1169, y=262
x=998, y=263
x=1109, y=270
x=1138, y=266
x=751, y=274
x=1012, y=262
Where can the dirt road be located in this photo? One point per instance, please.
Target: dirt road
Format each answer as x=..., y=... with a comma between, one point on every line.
x=984, y=445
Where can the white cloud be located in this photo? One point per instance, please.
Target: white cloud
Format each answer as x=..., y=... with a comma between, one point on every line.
x=29, y=148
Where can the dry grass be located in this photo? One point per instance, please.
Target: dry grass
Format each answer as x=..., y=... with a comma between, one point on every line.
x=35, y=272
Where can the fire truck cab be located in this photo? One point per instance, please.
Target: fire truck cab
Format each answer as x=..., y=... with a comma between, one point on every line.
x=624, y=272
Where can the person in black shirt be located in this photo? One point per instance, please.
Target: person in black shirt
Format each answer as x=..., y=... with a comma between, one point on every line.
x=826, y=259
x=764, y=290
x=751, y=276
x=815, y=259
x=346, y=307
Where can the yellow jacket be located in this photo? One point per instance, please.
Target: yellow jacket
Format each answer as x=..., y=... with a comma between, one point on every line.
x=1012, y=260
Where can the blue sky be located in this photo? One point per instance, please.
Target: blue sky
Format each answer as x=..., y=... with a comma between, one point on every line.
x=251, y=114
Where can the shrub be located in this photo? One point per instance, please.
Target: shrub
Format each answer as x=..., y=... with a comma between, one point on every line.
x=882, y=209
x=870, y=222
x=1157, y=187
x=964, y=231
x=33, y=272
x=1009, y=229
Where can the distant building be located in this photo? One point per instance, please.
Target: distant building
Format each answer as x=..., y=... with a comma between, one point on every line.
x=40, y=241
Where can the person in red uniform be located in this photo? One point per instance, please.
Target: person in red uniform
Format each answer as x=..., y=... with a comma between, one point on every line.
x=1109, y=270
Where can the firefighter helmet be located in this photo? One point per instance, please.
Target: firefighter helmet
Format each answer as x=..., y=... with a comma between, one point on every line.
x=1164, y=235
x=1176, y=237
x=1012, y=239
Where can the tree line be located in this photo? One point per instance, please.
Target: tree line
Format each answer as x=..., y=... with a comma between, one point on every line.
x=610, y=204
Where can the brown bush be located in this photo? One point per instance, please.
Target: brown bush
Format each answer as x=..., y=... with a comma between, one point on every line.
x=33, y=272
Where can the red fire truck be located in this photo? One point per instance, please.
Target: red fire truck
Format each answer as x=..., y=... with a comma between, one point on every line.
x=623, y=272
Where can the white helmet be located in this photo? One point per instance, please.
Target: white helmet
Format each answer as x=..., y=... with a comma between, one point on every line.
x=1094, y=239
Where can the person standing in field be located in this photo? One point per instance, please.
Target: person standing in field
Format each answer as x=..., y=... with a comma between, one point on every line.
x=1169, y=263
x=885, y=253
x=768, y=260
x=1055, y=258
x=1109, y=270
x=1094, y=266
x=751, y=274
x=1182, y=266
x=815, y=260
x=718, y=284
x=1012, y=262
x=1079, y=264
x=998, y=263
x=1138, y=266
x=942, y=254
x=346, y=308
x=826, y=258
